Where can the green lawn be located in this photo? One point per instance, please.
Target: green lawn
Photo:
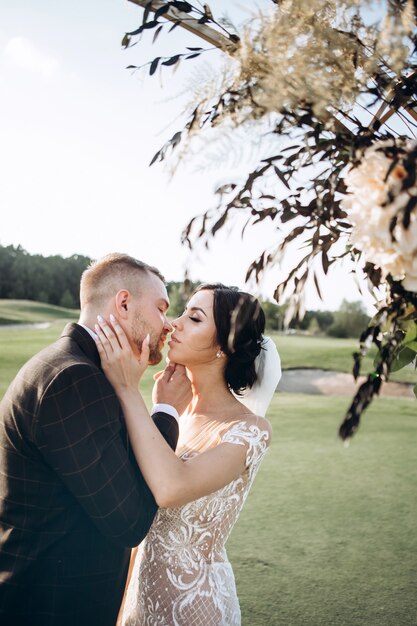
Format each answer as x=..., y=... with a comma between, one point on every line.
x=27, y=311
x=17, y=345
x=327, y=536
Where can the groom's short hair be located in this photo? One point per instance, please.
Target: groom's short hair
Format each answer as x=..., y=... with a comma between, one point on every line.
x=115, y=271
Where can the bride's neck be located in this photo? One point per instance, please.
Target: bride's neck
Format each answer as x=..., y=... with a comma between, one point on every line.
x=209, y=388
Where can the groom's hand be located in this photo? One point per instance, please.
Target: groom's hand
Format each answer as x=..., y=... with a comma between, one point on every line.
x=173, y=387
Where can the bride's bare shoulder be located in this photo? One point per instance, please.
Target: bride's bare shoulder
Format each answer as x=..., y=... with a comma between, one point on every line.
x=262, y=423
x=256, y=423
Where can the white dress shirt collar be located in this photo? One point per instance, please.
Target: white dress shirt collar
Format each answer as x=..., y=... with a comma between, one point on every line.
x=90, y=332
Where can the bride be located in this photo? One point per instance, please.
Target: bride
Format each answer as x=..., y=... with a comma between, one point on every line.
x=181, y=574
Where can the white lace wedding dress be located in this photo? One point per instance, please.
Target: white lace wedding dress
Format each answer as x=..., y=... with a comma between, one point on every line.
x=182, y=576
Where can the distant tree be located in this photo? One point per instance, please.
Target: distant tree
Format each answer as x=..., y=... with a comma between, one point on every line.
x=5, y=264
x=42, y=296
x=314, y=326
x=35, y=277
x=350, y=320
x=274, y=315
x=325, y=319
x=176, y=299
x=75, y=266
x=179, y=292
x=313, y=321
x=304, y=323
x=67, y=300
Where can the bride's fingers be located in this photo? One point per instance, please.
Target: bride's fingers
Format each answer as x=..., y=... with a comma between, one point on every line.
x=168, y=372
x=111, y=340
x=99, y=338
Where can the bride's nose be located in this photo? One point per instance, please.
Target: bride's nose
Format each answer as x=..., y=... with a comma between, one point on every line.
x=176, y=323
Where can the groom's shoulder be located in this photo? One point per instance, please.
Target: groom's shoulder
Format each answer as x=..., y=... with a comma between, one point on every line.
x=67, y=351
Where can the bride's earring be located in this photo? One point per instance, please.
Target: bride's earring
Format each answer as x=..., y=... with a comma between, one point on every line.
x=219, y=354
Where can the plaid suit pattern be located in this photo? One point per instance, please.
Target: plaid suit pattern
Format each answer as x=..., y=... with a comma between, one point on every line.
x=72, y=499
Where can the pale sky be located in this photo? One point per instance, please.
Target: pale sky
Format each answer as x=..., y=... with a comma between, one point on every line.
x=78, y=131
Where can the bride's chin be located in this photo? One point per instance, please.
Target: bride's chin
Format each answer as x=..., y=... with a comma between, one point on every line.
x=175, y=358
x=171, y=355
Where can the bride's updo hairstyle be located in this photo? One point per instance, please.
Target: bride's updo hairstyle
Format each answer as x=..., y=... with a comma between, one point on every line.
x=240, y=323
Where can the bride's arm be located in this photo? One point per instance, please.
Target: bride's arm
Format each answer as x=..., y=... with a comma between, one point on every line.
x=172, y=481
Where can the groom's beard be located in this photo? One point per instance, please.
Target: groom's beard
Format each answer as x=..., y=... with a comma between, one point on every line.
x=139, y=331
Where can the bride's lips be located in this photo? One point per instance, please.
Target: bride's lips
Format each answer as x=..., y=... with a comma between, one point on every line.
x=173, y=340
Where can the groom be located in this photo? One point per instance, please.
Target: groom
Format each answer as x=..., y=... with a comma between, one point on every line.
x=72, y=499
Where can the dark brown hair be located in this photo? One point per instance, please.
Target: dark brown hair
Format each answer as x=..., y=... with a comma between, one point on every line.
x=240, y=323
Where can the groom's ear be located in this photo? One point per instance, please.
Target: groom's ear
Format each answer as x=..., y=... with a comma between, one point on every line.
x=122, y=302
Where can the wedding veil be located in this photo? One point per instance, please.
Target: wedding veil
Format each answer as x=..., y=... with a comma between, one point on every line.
x=268, y=367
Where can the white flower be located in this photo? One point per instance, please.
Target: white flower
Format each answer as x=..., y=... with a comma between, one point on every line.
x=374, y=199
x=406, y=238
x=406, y=242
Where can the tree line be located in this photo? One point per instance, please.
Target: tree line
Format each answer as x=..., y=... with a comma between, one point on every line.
x=52, y=279
x=55, y=280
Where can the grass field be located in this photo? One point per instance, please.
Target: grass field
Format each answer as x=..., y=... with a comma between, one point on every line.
x=330, y=354
x=327, y=535
x=27, y=311
x=18, y=344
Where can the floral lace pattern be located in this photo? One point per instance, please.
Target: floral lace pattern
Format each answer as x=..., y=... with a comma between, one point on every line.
x=182, y=575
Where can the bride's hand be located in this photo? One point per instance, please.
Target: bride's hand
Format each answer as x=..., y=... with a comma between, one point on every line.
x=120, y=365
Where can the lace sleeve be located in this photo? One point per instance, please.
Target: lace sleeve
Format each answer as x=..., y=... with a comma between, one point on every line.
x=250, y=435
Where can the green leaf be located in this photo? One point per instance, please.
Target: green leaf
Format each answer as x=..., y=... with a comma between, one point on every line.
x=403, y=358
x=410, y=332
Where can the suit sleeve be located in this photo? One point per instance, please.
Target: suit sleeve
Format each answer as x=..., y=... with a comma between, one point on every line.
x=168, y=427
x=79, y=435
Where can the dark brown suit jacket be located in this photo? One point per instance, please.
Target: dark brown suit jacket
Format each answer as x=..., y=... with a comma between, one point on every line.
x=72, y=499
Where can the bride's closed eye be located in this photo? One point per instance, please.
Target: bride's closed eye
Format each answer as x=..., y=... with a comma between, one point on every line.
x=193, y=319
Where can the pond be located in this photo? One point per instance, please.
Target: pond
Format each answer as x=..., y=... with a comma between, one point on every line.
x=327, y=382
x=23, y=326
